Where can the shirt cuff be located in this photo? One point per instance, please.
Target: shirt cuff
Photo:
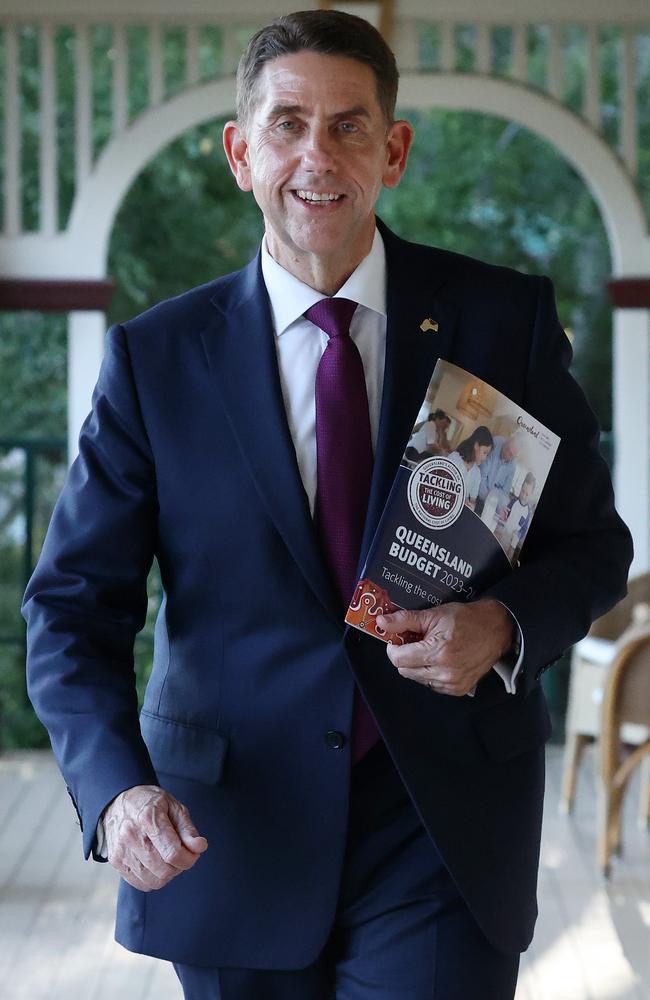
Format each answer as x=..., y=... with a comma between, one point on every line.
x=508, y=666
x=100, y=849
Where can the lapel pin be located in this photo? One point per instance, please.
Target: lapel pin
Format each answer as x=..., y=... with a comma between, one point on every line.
x=429, y=324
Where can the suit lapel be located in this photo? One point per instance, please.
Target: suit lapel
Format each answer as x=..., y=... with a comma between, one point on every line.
x=415, y=292
x=242, y=358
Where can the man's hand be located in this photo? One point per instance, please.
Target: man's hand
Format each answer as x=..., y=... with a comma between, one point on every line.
x=150, y=837
x=460, y=643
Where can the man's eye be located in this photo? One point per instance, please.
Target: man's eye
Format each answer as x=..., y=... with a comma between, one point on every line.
x=286, y=126
x=348, y=127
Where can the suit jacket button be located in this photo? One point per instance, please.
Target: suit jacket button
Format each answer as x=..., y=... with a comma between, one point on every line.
x=334, y=739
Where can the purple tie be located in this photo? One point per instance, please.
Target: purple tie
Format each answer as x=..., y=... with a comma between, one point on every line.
x=344, y=467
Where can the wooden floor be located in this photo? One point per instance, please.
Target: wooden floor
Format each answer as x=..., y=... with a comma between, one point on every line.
x=56, y=911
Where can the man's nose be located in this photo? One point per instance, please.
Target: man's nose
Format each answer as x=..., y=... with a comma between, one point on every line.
x=319, y=152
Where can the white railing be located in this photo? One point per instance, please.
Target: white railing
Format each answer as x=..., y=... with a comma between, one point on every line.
x=218, y=45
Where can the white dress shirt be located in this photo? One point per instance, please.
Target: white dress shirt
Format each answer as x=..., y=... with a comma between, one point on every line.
x=300, y=345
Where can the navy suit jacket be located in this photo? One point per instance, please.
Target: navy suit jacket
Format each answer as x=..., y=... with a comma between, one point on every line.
x=187, y=457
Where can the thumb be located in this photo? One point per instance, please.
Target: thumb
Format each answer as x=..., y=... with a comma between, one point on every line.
x=189, y=835
x=402, y=621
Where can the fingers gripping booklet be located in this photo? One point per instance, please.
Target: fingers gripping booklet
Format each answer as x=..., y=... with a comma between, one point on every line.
x=461, y=504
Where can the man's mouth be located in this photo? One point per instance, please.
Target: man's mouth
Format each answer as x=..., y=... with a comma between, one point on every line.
x=317, y=196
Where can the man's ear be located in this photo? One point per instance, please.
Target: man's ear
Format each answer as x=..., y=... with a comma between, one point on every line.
x=236, y=149
x=400, y=137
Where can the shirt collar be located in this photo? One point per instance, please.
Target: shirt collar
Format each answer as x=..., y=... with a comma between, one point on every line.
x=290, y=297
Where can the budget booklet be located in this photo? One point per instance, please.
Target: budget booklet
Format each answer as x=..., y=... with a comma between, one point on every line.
x=461, y=504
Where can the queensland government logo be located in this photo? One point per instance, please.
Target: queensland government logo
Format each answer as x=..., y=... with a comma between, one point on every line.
x=436, y=492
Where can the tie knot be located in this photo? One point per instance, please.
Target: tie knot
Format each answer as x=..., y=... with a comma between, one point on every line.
x=333, y=316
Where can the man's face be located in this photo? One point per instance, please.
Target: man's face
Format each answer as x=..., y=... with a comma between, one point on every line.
x=509, y=450
x=315, y=153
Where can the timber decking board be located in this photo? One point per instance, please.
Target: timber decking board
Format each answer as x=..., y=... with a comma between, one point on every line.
x=56, y=911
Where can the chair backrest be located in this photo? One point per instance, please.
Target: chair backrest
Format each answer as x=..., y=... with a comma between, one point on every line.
x=631, y=683
x=626, y=700
x=612, y=624
x=627, y=689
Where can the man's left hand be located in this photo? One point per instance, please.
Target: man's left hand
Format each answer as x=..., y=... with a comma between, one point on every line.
x=460, y=643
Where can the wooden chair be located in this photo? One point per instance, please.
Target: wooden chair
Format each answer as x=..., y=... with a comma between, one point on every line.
x=591, y=662
x=626, y=701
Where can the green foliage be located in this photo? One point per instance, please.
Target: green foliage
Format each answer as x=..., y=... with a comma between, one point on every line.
x=182, y=223
x=465, y=45
x=32, y=484
x=101, y=40
x=501, y=46
x=174, y=59
x=29, y=120
x=65, y=121
x=137, y=69
x=33, y=362
x=574, y=66
x=210, y=50
x=610, y=42
x=11, y=570
x=537, y=46
x=429, y=44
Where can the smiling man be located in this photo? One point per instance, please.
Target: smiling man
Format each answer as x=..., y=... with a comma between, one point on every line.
x=294, y=813
x=315, y=147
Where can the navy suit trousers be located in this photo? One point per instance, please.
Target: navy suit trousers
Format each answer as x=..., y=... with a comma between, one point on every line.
x=402, y=931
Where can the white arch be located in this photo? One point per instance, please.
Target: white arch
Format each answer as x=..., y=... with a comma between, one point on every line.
x=600, y=167
x=125, y=156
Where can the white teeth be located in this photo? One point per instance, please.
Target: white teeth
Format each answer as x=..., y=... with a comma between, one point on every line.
x=317, y=196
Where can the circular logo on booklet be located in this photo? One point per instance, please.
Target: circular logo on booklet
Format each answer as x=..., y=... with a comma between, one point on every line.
x=436, y=492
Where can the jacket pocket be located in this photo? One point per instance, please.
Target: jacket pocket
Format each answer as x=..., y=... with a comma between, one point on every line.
x=182, y=750
x=514, y=726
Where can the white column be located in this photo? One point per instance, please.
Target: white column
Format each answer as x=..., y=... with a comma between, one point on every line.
x=85, y=352
x=631, y=404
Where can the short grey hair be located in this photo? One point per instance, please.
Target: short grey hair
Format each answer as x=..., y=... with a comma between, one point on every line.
x=328, y=32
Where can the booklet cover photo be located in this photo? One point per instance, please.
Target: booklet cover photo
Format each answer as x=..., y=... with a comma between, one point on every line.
x=461, y=504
